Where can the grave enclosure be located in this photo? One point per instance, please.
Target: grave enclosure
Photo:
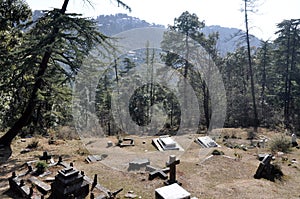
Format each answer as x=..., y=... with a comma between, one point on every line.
x=59, y=181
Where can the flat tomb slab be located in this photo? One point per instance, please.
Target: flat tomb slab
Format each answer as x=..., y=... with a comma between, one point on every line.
x=45, y=188
x=173, y=191
x=207, y=142
x=166, y=143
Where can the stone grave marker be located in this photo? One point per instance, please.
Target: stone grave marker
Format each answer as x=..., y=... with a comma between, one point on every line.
x=267, y=170
x=45, y=156
x=157, y=172
x=294, y=140
x=109, y=144
x=172, y=165
x=138, y=164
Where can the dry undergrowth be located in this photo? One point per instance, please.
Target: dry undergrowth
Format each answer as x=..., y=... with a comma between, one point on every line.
x=226, y=176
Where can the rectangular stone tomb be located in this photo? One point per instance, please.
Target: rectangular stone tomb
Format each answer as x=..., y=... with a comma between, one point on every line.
x=69, y=182
x=207, y=142
x=166, y=143
x=173, y=191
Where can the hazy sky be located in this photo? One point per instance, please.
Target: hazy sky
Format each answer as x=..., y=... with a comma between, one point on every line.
x=225, y=13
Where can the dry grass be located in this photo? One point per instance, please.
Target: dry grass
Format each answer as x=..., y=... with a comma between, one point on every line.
x=216, y=177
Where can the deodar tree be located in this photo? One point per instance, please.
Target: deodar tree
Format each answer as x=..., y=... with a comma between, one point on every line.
x=189, y=26
x=287, y=61
x=50, y=53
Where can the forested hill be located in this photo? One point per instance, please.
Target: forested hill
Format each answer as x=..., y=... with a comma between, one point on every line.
x=114, y=24
x=229, y=38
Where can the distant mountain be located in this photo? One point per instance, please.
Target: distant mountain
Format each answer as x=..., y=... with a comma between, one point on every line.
x=114, y=24
x=229, y=38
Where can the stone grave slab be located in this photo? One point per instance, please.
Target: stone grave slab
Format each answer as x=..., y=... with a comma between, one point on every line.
x=173, y=191
x=207, y=142
x=43, y=187
x=166, y=142
x=93, y=158
x=138, y=164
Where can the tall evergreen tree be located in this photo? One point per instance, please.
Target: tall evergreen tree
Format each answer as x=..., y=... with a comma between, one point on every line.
x=57, y=43
x=287, y=55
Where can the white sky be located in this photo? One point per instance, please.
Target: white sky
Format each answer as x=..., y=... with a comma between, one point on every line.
x=226, y=13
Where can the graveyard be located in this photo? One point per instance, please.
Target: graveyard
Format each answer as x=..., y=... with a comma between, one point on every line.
x=194, y=165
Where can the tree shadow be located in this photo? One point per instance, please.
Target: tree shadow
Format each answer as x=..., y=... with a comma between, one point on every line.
x=11, y=194
x=5, y=153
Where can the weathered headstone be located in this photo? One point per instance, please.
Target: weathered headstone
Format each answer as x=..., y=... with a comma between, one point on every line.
x=172, y=165
x=264, y=166
x=173, y=191
x=109, y=144
x=267, y=170
x=294, y=140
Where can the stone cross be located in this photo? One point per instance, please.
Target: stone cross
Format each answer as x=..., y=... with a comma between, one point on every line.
x=264, y=167
x=45, y=156
x=172, y=165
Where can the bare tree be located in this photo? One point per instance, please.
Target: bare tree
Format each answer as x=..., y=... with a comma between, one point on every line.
x=246, y=10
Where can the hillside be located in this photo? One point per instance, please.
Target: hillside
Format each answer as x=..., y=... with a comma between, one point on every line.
x=229, y=38
x=201, y=174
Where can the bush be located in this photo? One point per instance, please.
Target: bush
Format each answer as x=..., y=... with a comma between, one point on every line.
x=41, y=167
x=280, y=143
x=217, y=152
x=66, y=133
x=33, y=144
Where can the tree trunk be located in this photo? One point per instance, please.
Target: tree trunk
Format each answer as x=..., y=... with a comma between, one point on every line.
x=264, y=78
x=7, y=138
x=206, y=105
x=256, y=122
x=287, y=83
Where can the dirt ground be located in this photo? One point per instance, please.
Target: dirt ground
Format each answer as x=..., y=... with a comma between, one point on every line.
x=203, y=175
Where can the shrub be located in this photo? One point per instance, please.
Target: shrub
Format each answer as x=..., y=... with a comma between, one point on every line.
x=280, y=143
x=41, y=166
x=217, y=152
x=33, y=144
x=67, y=133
